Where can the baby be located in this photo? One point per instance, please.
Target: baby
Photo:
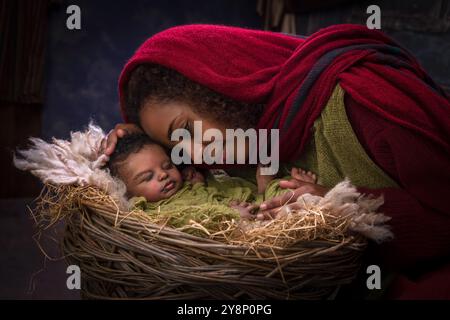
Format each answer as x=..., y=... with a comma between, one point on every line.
x=147, y=171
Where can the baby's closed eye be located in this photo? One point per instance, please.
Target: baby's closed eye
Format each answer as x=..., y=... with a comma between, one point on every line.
x=148, y=176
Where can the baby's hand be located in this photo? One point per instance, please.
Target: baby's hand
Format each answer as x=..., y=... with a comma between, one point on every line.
x=192, y=175
x=246, y=210
x=262, y=180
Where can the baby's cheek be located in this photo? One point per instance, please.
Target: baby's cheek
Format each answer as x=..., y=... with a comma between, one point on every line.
x=155, y=187
x=151, y=191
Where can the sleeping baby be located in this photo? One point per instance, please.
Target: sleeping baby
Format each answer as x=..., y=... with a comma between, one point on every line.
x=159, y=188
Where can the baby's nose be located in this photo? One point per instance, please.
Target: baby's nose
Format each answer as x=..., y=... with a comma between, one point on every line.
x=162, y=175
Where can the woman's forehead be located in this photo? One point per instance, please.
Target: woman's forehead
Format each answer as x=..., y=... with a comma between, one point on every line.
x=157, y=119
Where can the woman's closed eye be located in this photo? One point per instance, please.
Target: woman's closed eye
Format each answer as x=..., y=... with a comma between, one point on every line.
x=186, y=126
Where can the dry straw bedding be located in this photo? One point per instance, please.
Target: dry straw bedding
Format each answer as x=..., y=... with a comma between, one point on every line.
x=305, y=254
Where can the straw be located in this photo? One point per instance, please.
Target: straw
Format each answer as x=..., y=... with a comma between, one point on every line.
x=304, y=254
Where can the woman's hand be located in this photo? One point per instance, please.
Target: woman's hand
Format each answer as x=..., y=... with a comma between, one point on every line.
x=120, y=130
x=270, y=208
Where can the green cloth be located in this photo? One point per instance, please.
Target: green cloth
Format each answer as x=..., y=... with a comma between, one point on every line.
x=208, y=203
x=334, y=151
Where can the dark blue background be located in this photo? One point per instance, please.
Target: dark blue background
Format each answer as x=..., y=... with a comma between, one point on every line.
x=83, y=65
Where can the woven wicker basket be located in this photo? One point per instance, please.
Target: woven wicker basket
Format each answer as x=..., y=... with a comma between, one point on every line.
x=313, y=247
x=124, y=255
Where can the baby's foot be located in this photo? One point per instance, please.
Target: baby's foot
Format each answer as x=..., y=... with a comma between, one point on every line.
x=302, y=175
x=246, y=210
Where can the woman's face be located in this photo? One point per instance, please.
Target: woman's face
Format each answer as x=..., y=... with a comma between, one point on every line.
x=160, y=120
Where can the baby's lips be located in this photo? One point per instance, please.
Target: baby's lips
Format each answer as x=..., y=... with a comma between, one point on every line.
x=171, y=184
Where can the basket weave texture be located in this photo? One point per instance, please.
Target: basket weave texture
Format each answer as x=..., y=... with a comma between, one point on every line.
x=124, y=255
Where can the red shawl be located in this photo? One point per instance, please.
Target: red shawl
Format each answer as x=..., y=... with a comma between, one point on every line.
x=294, y=76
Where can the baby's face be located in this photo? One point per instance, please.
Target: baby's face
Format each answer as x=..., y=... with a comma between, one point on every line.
x=151, y=174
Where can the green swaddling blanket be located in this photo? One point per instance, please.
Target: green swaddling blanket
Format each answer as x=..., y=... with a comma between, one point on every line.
x=207, y=204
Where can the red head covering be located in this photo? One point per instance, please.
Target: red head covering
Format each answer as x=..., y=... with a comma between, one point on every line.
x=294, y=77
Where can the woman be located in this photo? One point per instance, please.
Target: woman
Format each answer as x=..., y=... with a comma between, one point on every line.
x=349, y=102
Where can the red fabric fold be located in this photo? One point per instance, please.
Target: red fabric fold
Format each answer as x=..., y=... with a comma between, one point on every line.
x=266, y=67
x=419, y=210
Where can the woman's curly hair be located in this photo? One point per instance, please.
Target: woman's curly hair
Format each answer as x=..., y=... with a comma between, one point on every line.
x=157, y=84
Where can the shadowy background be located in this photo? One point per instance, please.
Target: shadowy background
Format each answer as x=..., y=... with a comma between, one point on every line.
x=54, y=80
